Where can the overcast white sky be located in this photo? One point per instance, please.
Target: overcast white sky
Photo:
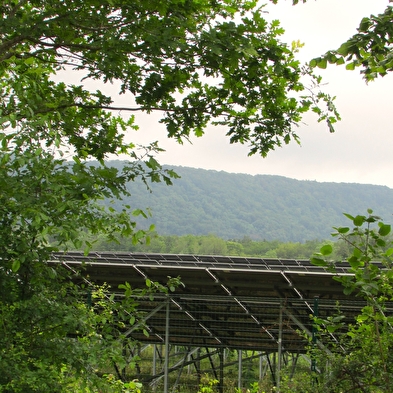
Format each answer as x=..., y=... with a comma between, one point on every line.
x=361, y=149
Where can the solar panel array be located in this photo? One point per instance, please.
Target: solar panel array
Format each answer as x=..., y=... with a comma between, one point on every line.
x=231, y=302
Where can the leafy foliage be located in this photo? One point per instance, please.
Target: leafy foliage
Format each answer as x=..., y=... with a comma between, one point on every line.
x=195, y=62
x=370, y=48
x=56, y=336
x=260, y=207
x=213, y=245
x=189, y=61
x=362, y=359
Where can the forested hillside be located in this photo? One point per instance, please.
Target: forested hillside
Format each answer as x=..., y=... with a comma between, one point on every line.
x=268, y=207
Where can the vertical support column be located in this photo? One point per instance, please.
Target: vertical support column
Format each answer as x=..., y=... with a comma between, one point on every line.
x=188, y=361
x=221, y=382
x=198, y=366
x=279, y=354
x=239, y=369
x=154, y=366
x=314, y=333
x=314, y=341
x=166, y=364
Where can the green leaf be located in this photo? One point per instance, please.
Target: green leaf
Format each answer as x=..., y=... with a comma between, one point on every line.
x=347, y=291
x=365, y=24
x=350, y=66
x=349, y=216
x=327, y=249
x=389, y=319
x=362, y=318
x=340, y=61
x=318, y=262
x=15, y=265
x=384, y=229
x=338, y=318
x=343, y=230
x=322, y=63
x=357, y=253
x=126, y=286
x=29, y=61
x=343, y=49
x=389, y=252
x=354, y=262
x=359, y=220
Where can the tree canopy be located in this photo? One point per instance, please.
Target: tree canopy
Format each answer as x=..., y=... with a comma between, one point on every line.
x=370, y=49
x=197, y=62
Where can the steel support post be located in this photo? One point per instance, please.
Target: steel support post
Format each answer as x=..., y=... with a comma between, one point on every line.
x=239, y=368
x=154, y=366
x=221, y=380
x=197, y=364
x=314, y=340
x=260, y=366
x=279, y=352
x=166, y=364
x=314, y=333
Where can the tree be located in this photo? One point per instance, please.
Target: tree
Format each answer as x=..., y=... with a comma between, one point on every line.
x=370, y=48
x=192, y=61
x=362, y=360
x=196, y=62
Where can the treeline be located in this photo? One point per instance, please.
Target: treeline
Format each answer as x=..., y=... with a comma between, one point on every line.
x=213, y=245
x=261, y=207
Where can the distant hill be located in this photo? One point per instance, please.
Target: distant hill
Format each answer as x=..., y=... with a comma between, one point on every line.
x=233, y=206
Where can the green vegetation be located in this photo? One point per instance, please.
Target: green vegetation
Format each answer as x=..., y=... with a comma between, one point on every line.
x=362, y=358
x=194, y=62
x=370, y=49
x=224, y=63
x=213, y=245
x=261, y=207
x=60, y=337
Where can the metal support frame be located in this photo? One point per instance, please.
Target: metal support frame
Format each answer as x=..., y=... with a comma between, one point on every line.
x=183, y=308
x=184, y=362
x=239, y=368
x=190, y=356
x=290, y=287
x=301, y=326
x=228, y=292
x=221, y=379
x=166, y=366
x=279, y=351
x=181, y=368
x=314, y=333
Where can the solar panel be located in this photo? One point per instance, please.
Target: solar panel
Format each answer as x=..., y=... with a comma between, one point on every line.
x=231, y=302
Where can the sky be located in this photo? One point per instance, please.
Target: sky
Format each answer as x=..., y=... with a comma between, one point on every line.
x=360, y=151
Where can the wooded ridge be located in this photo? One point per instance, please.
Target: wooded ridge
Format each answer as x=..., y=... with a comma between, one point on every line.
x=268, y=207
